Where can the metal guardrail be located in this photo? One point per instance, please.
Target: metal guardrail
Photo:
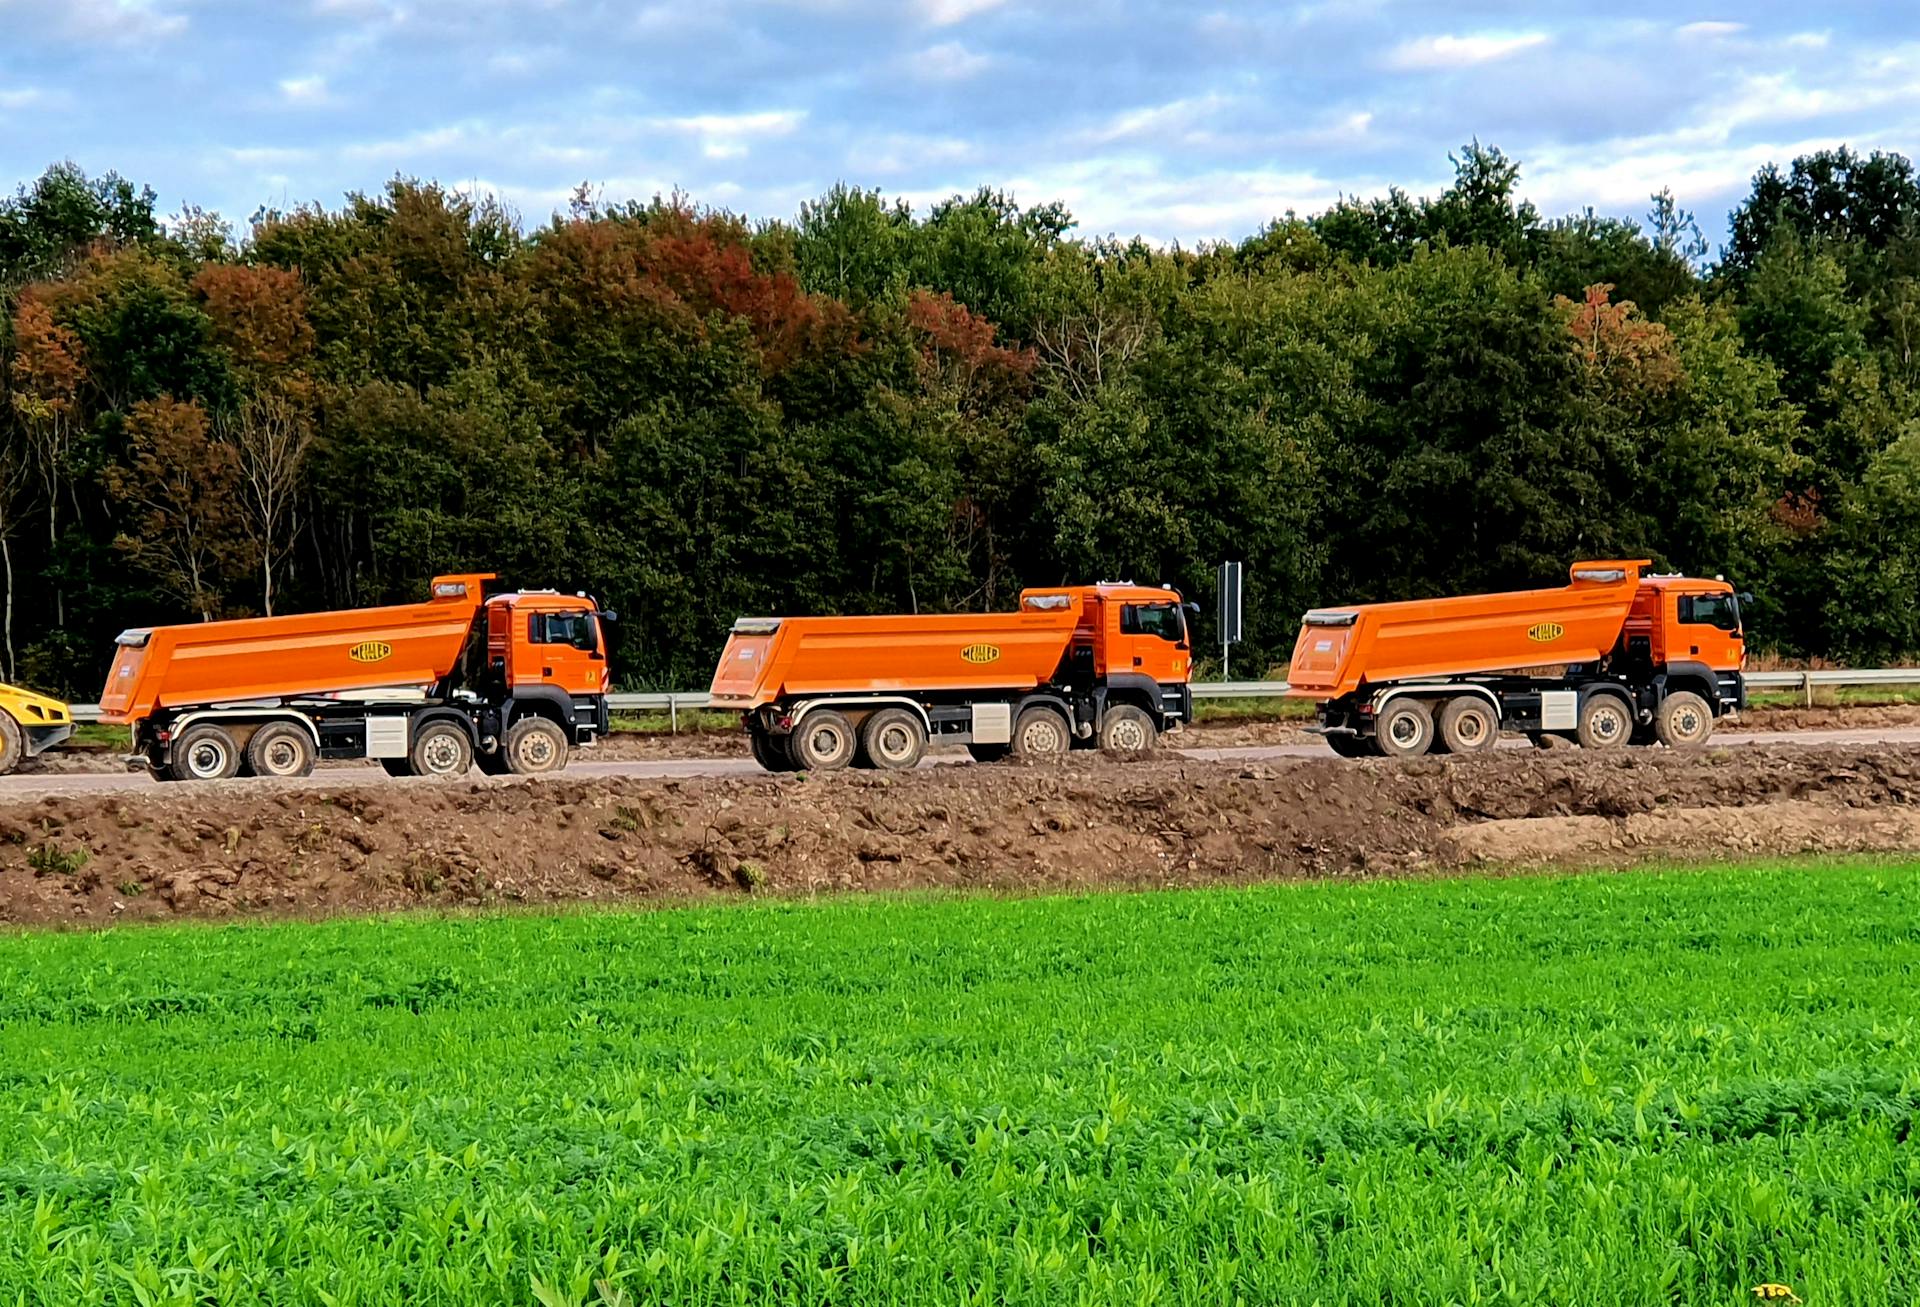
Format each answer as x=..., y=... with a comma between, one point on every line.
x=673, y=703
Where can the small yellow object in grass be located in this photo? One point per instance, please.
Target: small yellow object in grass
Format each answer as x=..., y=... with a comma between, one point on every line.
x=1780, y=1291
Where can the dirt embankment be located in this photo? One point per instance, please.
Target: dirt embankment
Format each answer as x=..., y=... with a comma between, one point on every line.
x=262, y=848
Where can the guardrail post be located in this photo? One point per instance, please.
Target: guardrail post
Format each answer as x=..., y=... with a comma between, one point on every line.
x=673, y=714
x=1806, y=682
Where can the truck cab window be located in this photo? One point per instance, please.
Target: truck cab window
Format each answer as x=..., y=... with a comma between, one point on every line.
x=1710, y=610
x=575, y=629
x=1162, y=620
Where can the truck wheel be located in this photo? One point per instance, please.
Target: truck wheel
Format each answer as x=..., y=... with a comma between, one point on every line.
x=1126, y=729
x=13, y=747
x=205, y=753
x=823, y=741
x=989, y=752
x=893, y=740
x=1404, y=729
x=440, y=749
x=535, y=746
x=1349, y=746
x=282, y=750
x=770, y=751
x=1605, y=722
x=1684, y=720
x=1041, y=733
x=1467, y=725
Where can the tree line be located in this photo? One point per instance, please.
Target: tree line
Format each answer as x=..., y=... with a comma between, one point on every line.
x=693, y=416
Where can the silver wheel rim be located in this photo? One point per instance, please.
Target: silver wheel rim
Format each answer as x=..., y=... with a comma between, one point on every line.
x=207, y=759
x=895, y=742
x=1040, y=736
x=1471, y=728
x=825, y=743
x=1686, y=723
x=282, y=758
x=1127, y=736
x=1405, y=730
x=441, y=754
x=536, y=751
x=1606, y=724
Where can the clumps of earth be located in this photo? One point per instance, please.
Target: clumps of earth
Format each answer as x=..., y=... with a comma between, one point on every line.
x=376, y=845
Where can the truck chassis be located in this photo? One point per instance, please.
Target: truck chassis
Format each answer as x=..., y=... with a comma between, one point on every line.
x=1468, y=713
x=424, y=736
x=890, y=731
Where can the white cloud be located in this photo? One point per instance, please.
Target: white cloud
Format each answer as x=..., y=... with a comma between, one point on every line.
x=1711, y=29
x=1810, y=40
x=1462, y=51
x=949, y=61
x=728, y=136
x=1174, y=118
x=119, y=22
x=23, y=97
x=945, y=13
x=304, y=90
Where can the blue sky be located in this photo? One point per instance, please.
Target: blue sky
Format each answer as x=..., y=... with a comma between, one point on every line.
x=1171, y=120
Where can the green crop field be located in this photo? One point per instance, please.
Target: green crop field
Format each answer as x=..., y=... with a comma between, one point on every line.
x=1640, y=1088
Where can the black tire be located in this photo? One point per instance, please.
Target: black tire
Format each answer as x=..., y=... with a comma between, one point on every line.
x=282, y=751
x=1605, y=722
x=492, y=764
x=535, y=746
x=989, y=752
x=1126, y=729
x=440, y=750
x=205, y=753
x=1404, y=729
x=823, y=740
x=1350, y=746
x=1041, y=732
x=893, y=740
x=1683, y=721
x=13, y=745
x=769, y=751
x=396, y=766
x=1468, y=724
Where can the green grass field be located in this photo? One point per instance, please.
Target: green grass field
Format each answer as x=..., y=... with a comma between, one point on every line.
x=1610, y=1089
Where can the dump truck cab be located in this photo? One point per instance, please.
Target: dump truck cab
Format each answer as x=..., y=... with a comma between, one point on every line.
x=1071, y=667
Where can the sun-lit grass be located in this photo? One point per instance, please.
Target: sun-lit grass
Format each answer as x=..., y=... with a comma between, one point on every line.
x=1609, y=1089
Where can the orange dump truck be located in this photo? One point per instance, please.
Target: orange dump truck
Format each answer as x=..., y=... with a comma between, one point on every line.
x=1103, y=665
x=510, y=680
x=1632, y=658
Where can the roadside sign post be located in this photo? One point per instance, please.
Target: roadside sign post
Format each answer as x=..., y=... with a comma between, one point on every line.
x=1232, y=593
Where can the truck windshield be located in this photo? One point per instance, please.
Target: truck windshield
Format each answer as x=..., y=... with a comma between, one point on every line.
x=574, y=629
x=1163, y=620
x=1711, y=610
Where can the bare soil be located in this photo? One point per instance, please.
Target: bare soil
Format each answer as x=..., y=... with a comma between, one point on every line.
x=264, y=848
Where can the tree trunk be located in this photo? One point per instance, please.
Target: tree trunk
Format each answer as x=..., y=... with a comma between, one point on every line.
x=6, y=557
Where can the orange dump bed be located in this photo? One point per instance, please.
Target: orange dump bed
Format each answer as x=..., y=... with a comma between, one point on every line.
x=1339, y=648
x=770, y=658
x=407, y=646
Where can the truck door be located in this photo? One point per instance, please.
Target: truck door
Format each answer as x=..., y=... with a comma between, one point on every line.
x=1151, y=640
x=1707, y=629
x=564, y=649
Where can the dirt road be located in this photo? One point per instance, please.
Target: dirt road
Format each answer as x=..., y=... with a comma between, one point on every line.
x=586, y=766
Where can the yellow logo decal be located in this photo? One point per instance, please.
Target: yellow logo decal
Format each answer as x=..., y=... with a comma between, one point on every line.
x=370, y=651
x=980, y=653
x=1543, y=632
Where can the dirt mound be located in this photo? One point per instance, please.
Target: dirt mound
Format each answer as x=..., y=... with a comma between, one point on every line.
x=270, y=848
